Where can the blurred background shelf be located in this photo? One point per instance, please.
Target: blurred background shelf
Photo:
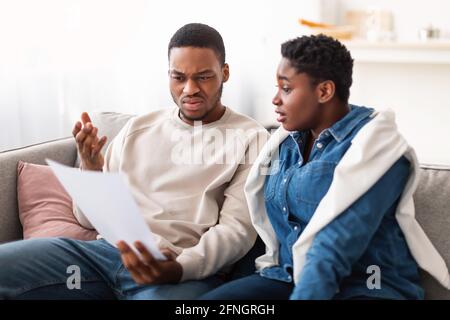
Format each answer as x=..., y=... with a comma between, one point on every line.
x=423, y=52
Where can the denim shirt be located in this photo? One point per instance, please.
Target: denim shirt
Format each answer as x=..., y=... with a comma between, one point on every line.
x=343, y=259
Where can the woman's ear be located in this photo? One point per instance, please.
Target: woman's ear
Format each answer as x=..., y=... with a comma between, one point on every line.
x=225, y=72
x=326, y=91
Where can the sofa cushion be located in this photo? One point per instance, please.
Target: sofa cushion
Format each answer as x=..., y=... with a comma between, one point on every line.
x=62, y=150
x=45, y=208
x=432, y=203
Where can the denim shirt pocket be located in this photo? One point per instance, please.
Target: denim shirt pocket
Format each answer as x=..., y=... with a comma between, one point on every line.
x=314, y=181
x=272, y=179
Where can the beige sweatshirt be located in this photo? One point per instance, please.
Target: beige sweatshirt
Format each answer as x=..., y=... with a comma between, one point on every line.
x=189, y=184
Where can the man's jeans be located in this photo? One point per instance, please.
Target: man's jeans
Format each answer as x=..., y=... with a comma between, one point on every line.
x=47, y=269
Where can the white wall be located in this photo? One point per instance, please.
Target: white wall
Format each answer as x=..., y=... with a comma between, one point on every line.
x=420, y=96
x=61, y=57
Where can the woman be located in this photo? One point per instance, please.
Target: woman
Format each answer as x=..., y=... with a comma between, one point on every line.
x=329, y=214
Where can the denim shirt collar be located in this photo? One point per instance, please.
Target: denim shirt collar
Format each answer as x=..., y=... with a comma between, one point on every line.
x=342, y=128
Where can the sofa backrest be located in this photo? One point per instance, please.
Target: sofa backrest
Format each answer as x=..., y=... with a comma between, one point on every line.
x=432, y=203
x=63, y=151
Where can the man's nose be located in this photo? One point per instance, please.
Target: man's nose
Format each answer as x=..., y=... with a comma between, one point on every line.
x=190, y=88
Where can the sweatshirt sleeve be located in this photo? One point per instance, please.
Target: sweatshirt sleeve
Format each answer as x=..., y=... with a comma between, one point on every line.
x=233, y=236
x=113, y=156
x=343, y=241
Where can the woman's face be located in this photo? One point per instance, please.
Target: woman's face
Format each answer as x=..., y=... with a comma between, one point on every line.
x=297, y=100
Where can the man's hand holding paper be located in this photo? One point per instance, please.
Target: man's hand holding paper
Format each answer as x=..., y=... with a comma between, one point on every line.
x=115, y=215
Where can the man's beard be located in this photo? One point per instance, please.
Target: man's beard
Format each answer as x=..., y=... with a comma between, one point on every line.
x=216, y=100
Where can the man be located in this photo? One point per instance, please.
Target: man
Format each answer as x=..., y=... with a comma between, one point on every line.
x=186, y=168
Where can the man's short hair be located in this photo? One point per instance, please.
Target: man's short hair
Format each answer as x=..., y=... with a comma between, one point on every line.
x=200, y=36
x=322, y=58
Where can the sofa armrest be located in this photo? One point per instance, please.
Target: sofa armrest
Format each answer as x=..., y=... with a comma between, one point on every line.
x=61, y=150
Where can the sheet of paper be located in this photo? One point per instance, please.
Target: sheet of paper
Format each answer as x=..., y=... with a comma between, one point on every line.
x=108, y=204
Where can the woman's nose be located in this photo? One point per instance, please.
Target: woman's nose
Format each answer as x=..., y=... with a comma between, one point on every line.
x=276, y=100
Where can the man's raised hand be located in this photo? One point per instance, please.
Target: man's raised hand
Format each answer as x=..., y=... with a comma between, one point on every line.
x=88, y=144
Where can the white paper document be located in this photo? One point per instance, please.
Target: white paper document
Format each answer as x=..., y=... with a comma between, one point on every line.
x=108, y=204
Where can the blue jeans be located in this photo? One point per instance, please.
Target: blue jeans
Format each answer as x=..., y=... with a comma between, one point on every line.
x=252, y=287
x=39, y=269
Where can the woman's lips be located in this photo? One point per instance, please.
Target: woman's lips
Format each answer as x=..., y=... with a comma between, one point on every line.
x=281, y=117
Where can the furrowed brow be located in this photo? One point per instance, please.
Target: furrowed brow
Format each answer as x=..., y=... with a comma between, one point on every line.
x=176, y=72
x=207, y=71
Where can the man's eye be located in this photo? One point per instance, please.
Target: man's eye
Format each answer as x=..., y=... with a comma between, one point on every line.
x=177, y=78
x=204, y=78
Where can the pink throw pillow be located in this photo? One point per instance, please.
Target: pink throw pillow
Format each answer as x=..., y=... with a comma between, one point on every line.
x=45, y=208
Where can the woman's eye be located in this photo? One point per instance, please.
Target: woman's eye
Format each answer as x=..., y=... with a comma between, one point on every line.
x=284, y=89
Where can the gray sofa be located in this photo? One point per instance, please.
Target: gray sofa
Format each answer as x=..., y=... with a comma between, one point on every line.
x=432, y=198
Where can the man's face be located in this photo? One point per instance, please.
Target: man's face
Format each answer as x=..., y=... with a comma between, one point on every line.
x=196, y=81
x=296, y=100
